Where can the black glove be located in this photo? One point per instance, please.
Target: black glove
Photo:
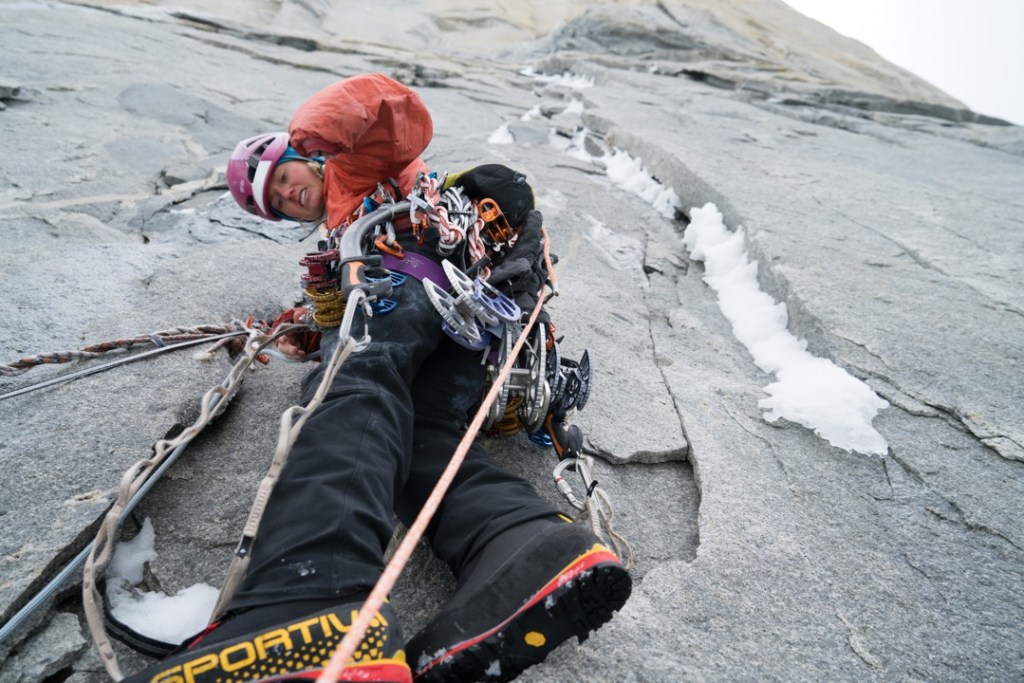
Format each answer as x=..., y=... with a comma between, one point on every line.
x=520, y=274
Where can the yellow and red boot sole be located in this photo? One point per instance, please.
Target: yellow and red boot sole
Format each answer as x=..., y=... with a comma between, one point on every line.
x=578, y=600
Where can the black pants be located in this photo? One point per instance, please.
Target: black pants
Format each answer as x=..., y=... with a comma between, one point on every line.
x=376, y=446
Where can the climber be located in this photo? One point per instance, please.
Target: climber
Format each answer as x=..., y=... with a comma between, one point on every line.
x=527, y=578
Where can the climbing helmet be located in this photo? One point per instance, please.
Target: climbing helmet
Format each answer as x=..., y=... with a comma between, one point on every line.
x=249, y=169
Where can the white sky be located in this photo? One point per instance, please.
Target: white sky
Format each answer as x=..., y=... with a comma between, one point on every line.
x=971, y=49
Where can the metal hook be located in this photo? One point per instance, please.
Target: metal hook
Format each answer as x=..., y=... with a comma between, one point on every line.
x=356, y=300
x=580, y=466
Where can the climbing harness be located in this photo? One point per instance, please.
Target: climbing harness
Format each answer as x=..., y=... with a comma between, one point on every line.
x=467, y=315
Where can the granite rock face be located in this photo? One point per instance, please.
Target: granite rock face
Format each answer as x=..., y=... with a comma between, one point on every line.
x=882, y=213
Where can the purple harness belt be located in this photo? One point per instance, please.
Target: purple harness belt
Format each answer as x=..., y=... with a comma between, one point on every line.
x=417, y=266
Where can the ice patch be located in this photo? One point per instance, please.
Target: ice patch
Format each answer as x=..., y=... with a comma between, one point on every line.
x=533, y=114
x=575, y=107
x=624, y=170
x=567, y=80
x=810, y=391
x=574, y=146
x=502, y=136
x=170, y=619
x=630, y=174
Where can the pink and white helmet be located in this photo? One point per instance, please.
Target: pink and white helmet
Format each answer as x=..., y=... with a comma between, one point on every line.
x=249, y=170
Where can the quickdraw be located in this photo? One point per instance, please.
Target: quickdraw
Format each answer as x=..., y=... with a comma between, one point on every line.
x=582, y=467
x=593, y=505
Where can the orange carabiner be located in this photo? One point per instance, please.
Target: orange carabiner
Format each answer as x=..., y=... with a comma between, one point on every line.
x=489, y=210
x=495, y=223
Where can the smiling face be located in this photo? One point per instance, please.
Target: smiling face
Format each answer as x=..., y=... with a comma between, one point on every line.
x=294, y=190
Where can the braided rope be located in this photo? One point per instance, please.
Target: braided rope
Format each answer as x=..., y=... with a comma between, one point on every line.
x=428, y=195
x=452, y=232
x=170, y=336
x=476, y=246
x=467, y=226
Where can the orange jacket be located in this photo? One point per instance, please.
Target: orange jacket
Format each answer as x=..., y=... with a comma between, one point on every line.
x=370, y=128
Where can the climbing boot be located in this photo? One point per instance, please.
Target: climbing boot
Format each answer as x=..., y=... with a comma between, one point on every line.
x=559, y=582
x=295, y=650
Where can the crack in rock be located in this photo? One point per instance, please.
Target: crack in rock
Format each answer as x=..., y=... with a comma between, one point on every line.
x=950, y=511
x=857, y=643
x=860, y=345
x=262, y=55
x=928, y=579
x=1003, y=446
x=244, y=229
x=958, y=517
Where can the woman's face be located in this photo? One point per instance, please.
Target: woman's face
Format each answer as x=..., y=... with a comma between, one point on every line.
x=295, y=191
